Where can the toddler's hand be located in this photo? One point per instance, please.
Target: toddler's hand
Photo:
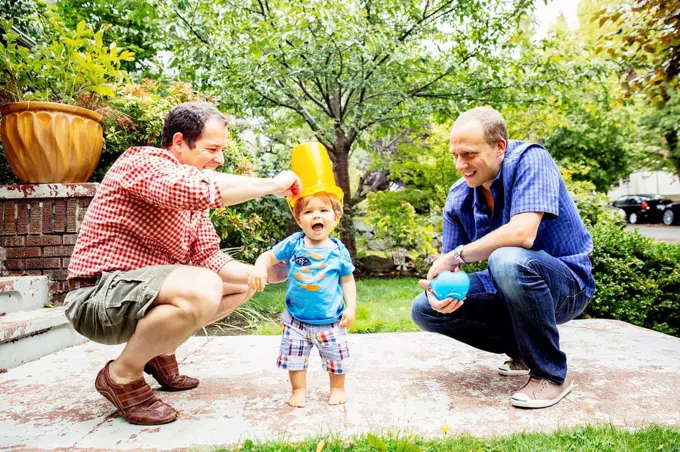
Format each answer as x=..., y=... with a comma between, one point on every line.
x=347, y=319
x=257, y=279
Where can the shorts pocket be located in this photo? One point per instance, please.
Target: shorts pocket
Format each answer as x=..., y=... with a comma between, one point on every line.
x=123, y=298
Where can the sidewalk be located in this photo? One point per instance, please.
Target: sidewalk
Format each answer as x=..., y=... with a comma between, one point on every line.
x=408, y=383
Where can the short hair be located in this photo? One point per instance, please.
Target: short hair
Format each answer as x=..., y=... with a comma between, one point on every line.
x=189, y=119
x=301, y=203
x=492, y=122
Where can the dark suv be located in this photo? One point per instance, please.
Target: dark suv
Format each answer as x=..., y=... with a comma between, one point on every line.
x=641, y=208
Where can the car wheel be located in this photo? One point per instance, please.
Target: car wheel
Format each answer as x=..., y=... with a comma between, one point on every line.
x=633, y=218
x=668, y=217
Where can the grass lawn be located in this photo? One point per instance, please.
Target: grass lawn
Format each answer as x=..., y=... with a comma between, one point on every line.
x=383, y=305
x=589, y=438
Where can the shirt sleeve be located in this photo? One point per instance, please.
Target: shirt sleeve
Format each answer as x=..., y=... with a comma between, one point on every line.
x=284, y=249
x=155, y=178
x=205, y=250
x=536, y=185
x=346, y=265
x=453, y=232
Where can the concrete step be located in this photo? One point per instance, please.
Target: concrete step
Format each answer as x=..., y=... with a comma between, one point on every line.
x=23, y=293
x=29, y=335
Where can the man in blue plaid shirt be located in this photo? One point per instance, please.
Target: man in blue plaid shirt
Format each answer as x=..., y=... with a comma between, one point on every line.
x=511, y=207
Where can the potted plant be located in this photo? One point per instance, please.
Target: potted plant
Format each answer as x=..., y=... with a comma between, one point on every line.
x=49, y=96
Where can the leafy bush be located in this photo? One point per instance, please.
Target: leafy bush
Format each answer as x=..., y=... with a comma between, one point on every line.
x=135, y=116
x=592, y=205
x=637, y=278
x=74, y=67
x=395, y=223
x=251, y=228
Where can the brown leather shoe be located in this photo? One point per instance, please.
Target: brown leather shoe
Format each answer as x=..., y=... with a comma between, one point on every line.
x=135, y=401
x=165, y=370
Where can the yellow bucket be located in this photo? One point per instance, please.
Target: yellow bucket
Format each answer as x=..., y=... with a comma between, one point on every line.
x=311, y=164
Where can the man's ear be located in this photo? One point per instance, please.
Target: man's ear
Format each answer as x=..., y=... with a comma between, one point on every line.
x=178, y=141
x=501, y=146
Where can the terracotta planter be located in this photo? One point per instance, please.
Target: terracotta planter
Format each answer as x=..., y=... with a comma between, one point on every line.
x=47, y=142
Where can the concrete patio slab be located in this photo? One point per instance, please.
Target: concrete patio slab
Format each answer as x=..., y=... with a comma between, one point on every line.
x=408, y=383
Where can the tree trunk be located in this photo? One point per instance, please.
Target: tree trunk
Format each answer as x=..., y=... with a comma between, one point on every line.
x=340, y=154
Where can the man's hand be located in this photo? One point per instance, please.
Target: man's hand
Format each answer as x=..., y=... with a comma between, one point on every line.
x=258, y=278
x=445, y=306
x=347, y=318
x=443, y=263
x=287, y=184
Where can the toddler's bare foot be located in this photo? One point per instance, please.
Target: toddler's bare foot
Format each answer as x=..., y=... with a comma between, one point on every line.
x=337, y=396
x=297, y=399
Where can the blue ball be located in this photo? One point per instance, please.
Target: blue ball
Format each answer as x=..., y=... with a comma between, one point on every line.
x=450, y=285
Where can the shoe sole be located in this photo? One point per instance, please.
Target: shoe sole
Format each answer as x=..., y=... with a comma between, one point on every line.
x=541, y=403
x=513, y=373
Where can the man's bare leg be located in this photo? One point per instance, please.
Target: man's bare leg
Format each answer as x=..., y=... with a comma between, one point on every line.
x=187, y=300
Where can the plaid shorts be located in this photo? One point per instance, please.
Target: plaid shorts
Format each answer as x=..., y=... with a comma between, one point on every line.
x=298, y=338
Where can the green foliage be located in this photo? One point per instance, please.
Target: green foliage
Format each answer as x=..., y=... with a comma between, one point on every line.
x=28, y=15
x=637, y=278
x=135, y=117
x=132, y=24
x=663, y=123
x=646, y=38
x=422, y=162
x=592, y=206
x=250, y=229
x=585, y=438
x=342, y=69
x=395, y=222
x=348, y=66
x=596, y=140
x=74, y=67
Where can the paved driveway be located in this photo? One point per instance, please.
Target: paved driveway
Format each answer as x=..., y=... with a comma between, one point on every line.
x=405, y=382
x=668, y=234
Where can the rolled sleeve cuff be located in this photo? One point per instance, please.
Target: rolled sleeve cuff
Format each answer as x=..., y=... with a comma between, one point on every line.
x=217, y=261
x=214, y=192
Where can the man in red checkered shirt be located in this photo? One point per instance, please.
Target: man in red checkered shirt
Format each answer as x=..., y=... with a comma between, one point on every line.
x=147, y=269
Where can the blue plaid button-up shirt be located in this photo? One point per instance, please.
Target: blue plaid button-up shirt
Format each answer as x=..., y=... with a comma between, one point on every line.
x=529, y=181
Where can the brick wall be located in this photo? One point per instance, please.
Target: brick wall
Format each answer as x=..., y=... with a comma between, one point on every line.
x=39, y=228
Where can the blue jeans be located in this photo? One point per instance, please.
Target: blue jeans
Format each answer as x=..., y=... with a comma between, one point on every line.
x=535, y=293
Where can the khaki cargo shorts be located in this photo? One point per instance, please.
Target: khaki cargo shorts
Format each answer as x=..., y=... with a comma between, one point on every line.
x=108, y=312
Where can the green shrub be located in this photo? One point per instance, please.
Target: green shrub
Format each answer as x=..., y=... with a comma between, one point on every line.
x=251, y=228
x=73, y=67
x=637, y=279
x=592, y=205
x=395, y=223
x=135, y=116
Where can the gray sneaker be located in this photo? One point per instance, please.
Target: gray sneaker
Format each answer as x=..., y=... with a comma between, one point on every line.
x=541, y=393
x=512, y=368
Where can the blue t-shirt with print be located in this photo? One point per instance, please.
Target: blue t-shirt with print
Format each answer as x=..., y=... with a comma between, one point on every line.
x=314, y=292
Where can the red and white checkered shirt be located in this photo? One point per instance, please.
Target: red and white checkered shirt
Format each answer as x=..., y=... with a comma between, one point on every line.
x=149, y=210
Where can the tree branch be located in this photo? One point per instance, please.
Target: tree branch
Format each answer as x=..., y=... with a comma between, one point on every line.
x=194, y=32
